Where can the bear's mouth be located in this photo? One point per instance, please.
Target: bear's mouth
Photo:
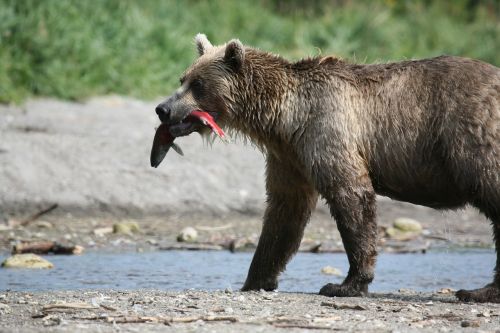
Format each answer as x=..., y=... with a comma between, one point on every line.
x=195, y=121
x=166, y=134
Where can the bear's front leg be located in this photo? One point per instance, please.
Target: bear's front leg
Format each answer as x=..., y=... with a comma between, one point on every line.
x=290, y=200
x=352, y=204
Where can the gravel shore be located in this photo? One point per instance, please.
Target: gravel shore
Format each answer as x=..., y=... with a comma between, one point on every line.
x=227, y=311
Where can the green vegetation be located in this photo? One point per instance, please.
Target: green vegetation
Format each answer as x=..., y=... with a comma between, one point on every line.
x=77, y=48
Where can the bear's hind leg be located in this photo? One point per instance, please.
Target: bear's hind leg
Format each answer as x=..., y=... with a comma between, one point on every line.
x=353, y=207
x=490, y=292
x=290, y=201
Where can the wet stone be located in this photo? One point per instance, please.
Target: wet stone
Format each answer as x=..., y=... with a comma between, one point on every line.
x=27, y=260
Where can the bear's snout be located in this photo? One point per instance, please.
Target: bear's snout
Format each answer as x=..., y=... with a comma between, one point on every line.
x=163, y=111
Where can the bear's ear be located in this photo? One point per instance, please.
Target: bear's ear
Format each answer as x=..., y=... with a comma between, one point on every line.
x=202, y=44
x=235, y=54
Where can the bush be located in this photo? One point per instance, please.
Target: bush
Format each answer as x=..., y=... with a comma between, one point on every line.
x=73, y=49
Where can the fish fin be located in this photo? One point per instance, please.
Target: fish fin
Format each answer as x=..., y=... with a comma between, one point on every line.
x=177, y=149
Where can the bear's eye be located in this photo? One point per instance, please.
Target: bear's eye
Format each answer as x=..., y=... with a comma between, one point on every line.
x=197, y=88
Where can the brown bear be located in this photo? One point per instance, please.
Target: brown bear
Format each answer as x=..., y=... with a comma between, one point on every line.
x=425, y=132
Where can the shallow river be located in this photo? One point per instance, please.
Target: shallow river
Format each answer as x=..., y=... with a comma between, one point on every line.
x=179, y=270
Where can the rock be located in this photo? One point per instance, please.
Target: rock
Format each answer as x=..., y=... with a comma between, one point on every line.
x=242, y=244
x=77, y=249
x=101, y=232
x=400, y=235
x=329, y=270
x=188, y=234
x=4, y=309
x=51, y=320
x=126, y=228
x=485, y=314
x=470, y=323
x=407, y=225
x=151, y=241
x=446, y=291
x=27, y=260
x=404, y=229
x=5, y=227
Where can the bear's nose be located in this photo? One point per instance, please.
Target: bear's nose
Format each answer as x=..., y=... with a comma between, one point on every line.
x=163, y=112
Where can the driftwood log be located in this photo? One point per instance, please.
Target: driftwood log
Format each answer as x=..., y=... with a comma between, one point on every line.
x=45, y=247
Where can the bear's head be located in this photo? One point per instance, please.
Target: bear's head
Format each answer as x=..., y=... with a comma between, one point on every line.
x=207, y=87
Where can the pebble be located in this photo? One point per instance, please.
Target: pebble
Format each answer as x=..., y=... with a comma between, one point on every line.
x=27, y=260
x=329, y=270
x=4, y=308
x=151, y=241
x=44, y=225
x=485, y=314
x=51, y=320
x=446, y=291
x=101, y=232
x=188, y=234
x=406, y=291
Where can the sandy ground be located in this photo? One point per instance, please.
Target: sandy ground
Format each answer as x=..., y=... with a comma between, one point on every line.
x=92, y=160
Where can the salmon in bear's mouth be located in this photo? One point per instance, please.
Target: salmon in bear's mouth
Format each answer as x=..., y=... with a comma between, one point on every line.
x=166, y=134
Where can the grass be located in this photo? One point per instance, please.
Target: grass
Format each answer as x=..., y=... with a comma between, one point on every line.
x=73, y=49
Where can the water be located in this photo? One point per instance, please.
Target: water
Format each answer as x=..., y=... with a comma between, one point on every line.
x=179, y=270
